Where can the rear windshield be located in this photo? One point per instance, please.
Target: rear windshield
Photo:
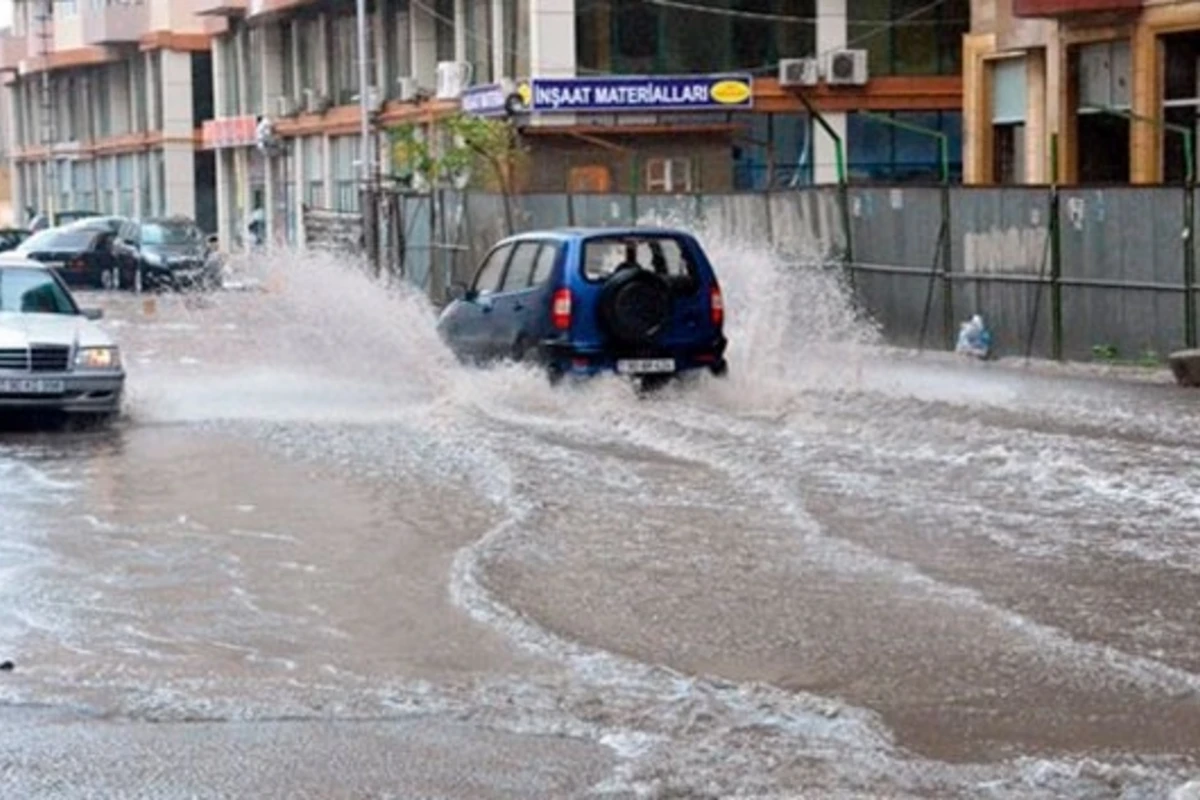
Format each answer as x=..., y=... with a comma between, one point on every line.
x=60, y=239
x=169, y=234
x=664, y=255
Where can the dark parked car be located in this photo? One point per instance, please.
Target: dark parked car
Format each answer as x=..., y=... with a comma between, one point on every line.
x=11, y=238
x=83, y=255
x=642, y=302
x=172, y=253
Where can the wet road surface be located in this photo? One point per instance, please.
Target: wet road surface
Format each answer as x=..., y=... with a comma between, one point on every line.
x=319, y=559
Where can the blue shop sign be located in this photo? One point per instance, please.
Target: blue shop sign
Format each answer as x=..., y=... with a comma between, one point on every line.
x=485, y=100
x=646, y=93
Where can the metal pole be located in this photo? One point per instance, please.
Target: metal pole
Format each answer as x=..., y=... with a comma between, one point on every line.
x=364, y=102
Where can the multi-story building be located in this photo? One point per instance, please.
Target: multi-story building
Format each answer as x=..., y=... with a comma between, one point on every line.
x=1081, y=90
x=295, y=62
x=105, y=97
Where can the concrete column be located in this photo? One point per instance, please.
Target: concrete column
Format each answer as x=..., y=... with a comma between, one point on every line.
x=324, y=67
x=383, y=57
x=423, y=37
x=552, y=38
x=499, y=61
x=180, y=163
x=220, y=47
x=831, y=35
x=177, y=94
x=153, y=94
x=224, y=182
x=460, y=30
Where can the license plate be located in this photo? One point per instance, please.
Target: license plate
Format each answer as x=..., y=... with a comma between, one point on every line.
x=645, y=366
x=30, y=386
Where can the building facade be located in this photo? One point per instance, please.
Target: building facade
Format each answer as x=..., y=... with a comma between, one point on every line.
x=294, y=63
x=1082, y=91
x=104, y=98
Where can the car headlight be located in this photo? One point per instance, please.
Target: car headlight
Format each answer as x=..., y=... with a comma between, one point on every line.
x=153, y=259
x=98, y=358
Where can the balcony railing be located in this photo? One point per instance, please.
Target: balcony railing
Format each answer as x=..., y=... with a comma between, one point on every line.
x=114, y=21
x=1062, y=8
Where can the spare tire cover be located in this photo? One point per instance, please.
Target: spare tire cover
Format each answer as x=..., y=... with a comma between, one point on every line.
x=635, y=305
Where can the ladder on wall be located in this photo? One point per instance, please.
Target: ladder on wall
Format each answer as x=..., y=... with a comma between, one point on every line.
x=47, y=108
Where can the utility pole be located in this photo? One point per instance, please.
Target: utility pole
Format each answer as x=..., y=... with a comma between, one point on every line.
x=44, y=19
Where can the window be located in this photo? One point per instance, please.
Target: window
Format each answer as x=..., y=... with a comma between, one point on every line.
x=287, y=74
x=232, y=102
x=309, y=32
x=544, y=268
x=314, y=167
x=126, y=185
x=343, y=52
x=669, y=175
x=637, y=37
x=520, y=268
x=33, y=291
x=399, y=46
x=154, y=59
x=602, y=256
x=487, y=281
x=910, y=37
x=478, y=25
x=145, y=203
x=443, y=26
x=881, y=152
x=516, y=35
x=253, y=49
x=84, y=185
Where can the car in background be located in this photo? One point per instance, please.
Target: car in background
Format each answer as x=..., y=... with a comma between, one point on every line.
x=11, y=238
x=83, y=254
x=67, y=217
x=172, y=253
x=53, y=356
x=642, y=302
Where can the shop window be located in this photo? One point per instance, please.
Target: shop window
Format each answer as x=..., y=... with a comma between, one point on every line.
x=1099, y=75
x=1181, y=103
x=880, y=152
x=595, y=178
x=909, y=37
x=669, y=175
x=636, y=37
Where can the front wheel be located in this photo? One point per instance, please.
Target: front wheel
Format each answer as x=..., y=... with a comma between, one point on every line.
x=720, y=369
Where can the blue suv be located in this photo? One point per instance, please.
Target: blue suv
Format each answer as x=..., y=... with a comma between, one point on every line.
x=642, y=302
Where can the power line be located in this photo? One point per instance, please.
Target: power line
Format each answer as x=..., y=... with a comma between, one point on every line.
x=763, y=16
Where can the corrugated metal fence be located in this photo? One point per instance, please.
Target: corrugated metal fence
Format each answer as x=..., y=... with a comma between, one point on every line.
x=1067, y=273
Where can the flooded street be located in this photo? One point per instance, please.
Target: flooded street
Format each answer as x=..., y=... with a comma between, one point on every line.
x=318, y=558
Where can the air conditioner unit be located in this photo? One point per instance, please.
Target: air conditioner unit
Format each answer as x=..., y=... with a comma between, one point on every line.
x=285, y=107
x=409, y=89
x=846, y=68
x=799, y=72
x=452, y=78
x=315, y=102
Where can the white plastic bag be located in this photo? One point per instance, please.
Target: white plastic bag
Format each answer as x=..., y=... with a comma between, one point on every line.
x=974, y=338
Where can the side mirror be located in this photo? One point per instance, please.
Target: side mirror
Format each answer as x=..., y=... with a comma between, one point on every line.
x=92, y=313
x=458, y=291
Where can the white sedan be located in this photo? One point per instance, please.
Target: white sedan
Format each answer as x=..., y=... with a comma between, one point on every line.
x=53, y=355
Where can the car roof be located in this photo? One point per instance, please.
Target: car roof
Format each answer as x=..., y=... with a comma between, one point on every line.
x=10, y=259
x=565, y=234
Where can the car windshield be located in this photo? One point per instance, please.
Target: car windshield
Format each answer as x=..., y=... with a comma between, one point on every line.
x=33, y=291
x=59, y=239
x=157, y=233
x=661, y=254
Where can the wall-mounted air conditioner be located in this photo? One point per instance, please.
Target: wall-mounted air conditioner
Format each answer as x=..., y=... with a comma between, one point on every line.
x=799, y=72
x=452, y=78
x=846, y=68
x=409, y=89
x=285, y=107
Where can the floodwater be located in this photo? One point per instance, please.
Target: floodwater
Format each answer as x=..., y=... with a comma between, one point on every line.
x=318, y=558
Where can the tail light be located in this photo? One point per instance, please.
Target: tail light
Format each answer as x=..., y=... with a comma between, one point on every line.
x=560, y=310
x=716, y=305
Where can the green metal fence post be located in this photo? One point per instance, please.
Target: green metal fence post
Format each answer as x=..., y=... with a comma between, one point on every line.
x=1056, y=308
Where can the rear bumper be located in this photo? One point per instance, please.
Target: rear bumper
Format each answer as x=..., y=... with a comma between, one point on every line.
x=565, y=358
x=82, y=394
